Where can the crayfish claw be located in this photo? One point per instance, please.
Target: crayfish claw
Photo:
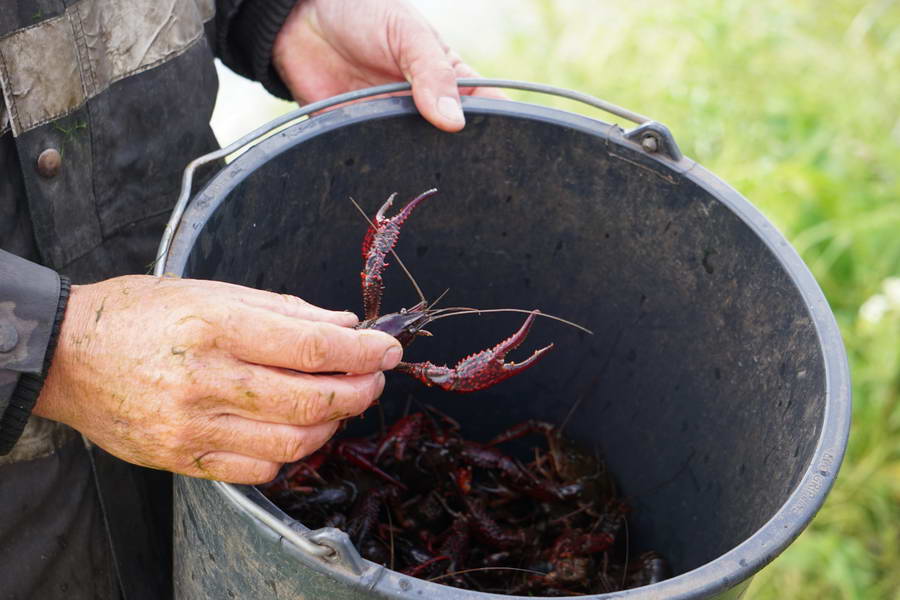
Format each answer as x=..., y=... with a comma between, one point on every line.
x=516, y=339
x=481, y=370
x=515, y=367
x=379, y=216
x=380, y=239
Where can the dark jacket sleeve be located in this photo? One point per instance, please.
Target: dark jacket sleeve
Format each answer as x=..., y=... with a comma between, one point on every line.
x=245, y=34
x=32, y=302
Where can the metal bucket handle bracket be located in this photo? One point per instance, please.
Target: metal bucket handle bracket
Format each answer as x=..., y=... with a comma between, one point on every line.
x=652, y=137
x=327, y=545
x=330, y=545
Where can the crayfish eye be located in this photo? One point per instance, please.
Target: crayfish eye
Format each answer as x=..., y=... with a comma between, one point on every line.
x=402, y=311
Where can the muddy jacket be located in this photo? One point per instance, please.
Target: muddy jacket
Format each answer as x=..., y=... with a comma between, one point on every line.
x=104, y=103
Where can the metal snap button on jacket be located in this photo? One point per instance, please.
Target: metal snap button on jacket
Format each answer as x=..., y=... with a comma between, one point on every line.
x=9, y=337
x=49, y=162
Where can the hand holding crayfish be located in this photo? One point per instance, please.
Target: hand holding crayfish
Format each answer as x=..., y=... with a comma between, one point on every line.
x=209, y=379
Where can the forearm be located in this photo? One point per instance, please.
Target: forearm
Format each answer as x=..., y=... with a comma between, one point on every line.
x=32, y=302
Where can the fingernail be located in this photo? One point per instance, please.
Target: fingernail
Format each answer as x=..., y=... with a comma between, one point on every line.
x=350, y=318
x=381, y=387
x=450, y=109
x=391, y=358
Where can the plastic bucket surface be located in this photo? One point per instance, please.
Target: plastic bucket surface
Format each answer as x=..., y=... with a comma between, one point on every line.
x=715, y=386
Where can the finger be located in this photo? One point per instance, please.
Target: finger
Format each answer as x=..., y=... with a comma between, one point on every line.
x=297, y=308
x=233, y=468
x=267, y=338
x=464, y=70
x=425, y=64
x=289, y=397
x=270, y=442
x=284, y=304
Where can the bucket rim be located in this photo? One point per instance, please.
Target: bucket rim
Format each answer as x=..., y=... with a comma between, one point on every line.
x=769, y=540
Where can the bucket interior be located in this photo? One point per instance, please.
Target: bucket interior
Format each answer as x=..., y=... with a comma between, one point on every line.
x=703, y=385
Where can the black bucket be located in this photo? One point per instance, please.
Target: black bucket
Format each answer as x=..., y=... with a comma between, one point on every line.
x=716, y=384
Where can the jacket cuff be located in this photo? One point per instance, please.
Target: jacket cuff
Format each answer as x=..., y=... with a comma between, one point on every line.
x=29, y=386
x=29, y=294
x=247, y=38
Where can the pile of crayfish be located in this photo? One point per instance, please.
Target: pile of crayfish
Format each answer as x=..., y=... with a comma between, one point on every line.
x=423, y=500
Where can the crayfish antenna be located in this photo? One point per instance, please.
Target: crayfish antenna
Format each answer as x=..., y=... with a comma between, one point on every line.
x=454, y=311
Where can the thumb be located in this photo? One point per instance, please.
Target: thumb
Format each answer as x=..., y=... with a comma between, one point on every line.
x=426, y=64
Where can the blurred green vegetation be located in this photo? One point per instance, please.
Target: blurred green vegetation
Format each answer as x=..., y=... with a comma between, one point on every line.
x=795, y=103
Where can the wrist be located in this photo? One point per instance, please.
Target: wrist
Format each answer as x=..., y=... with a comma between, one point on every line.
x=257, y=29
x=283, y=46
x=55, y=392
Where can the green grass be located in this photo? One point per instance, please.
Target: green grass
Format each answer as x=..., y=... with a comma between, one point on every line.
x=797, y=105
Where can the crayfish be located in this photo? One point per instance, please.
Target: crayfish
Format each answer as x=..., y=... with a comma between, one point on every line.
x=475, y=372
x=426, y=501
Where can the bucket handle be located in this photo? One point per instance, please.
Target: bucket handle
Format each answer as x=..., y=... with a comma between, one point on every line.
x=651, y=136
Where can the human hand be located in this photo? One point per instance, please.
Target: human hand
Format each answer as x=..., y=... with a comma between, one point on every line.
x=207, y=378
x=328, y=47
